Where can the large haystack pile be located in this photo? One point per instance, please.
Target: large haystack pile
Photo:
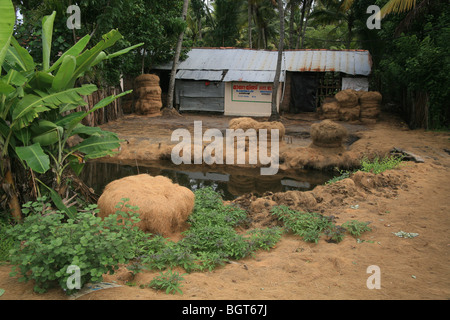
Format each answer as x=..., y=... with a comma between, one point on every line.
x=328, y=134
x=147, y=94
x=246, y=123
x=348, y=105
x=330, y=109
x=163, y=206
x=351, y=105
x=370, y=103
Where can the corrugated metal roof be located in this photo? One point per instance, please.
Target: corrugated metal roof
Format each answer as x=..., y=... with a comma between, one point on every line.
x=260, y=65
x=211, y=75
x=354, y=62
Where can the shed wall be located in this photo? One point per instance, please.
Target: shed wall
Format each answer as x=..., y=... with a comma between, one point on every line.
x=194, y=95
x=257, y=103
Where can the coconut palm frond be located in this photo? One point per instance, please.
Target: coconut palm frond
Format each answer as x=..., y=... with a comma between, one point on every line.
x=397, y=6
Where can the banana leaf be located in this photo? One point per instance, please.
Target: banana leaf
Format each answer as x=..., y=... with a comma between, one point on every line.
x=7, y=20
x=34, y=157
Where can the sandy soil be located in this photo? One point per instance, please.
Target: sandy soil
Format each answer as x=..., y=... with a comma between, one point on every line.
x=413, y=198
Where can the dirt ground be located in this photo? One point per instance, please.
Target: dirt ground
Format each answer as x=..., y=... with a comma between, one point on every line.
x=413, y=198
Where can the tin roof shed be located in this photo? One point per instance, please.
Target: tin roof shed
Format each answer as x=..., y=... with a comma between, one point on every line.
x=233, y=64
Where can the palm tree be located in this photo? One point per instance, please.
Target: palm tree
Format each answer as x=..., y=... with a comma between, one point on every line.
x=393, y=6
x=333, y=12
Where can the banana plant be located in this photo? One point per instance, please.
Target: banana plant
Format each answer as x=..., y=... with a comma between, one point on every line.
x=37, y=103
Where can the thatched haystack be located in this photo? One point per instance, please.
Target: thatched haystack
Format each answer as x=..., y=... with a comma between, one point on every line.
x=370, y=102
x=328, y=134
x=348, y=105
x=163, y=206
x=330, y=109
x=246, y=123
x=147, y=94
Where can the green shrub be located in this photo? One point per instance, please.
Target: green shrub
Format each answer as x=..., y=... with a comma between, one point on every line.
x=378, y=165
x=6, y=243
x=169, y=281
x=46, y=245
x=356, y=228
x=310, y=225
x=211, y=239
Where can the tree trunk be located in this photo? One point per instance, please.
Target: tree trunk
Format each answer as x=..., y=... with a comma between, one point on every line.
x=176, y=58
x=249, y=13
x=292, y=5
x=9, y=187
x=276, y=83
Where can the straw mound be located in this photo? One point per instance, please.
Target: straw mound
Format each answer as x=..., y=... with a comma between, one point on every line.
x=349, y=114
x=147, y=94
x=347, y=98
x=328, y=134
x=330, y=109
x=246, y=123
x=163, y=205
x=351, y=105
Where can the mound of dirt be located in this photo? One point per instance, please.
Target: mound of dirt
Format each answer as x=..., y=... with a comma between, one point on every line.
x=163, y=206
x=322, y=198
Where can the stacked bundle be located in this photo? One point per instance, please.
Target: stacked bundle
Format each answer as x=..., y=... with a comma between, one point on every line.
x=249, y=123
x=330, y=109
x=370, y=102
x=147, y=94
x=349, y=108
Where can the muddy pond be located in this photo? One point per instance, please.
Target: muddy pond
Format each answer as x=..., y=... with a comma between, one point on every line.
x=231, y=182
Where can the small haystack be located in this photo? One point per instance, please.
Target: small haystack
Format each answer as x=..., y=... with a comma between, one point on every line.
x=163, y=206
x=349, y=108
x=246, y=123
x=328, y=134
x=147, y=94
x=330, y=109
x=370, y=103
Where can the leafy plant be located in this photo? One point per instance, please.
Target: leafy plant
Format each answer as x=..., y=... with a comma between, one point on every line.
x=343, y=174
x=378, y=165
x=356, y=228
x=211, y=239
x=46, y=245
x=37, y=103
x=168, y=281
x=308, y=225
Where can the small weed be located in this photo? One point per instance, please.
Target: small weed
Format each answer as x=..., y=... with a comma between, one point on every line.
x=343, y=174
x=356, y=228
x=310, y=225
x=169, y=281
x=378, y=165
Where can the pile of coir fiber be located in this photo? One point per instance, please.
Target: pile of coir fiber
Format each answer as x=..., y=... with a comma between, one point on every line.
x=163, y=205
x=147, y=94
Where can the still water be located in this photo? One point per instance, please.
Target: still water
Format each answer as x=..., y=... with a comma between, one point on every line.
x=231, y=182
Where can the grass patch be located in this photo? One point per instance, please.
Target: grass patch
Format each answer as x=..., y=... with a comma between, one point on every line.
x=311, y=225
x=376, y=166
